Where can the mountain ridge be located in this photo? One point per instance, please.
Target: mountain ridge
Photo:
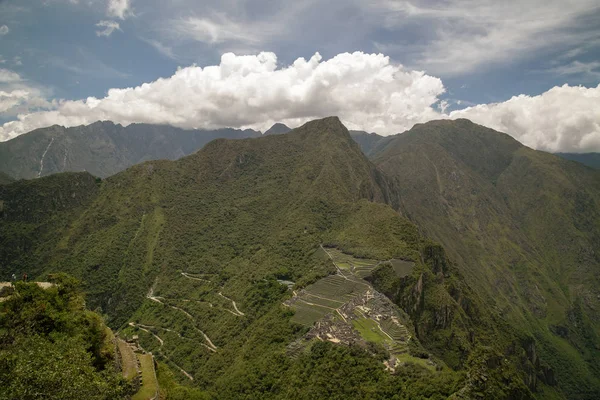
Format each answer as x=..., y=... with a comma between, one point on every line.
x=102, y=148
x=163, y=239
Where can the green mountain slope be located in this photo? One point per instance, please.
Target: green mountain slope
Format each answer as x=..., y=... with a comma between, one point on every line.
x=187, y=254
x=101, y=148
x=590, y=159
x=522, y=226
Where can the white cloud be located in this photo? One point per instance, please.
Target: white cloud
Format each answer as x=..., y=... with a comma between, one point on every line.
x=365, y=90
x=463, y=36
x=7, y=76
x=565, y=118
x=216, y=29
x=4, y=30
x=19, y=96
x=590, y=69
x=119, y=8
x=109, y=28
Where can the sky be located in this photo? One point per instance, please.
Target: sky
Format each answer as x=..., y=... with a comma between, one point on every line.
x=530, y=68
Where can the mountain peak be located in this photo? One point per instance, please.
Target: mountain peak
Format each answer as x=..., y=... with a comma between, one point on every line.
x=278, y=129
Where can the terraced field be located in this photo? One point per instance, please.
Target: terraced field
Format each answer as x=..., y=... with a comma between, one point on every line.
x=345, y=308
x=149, y=388
x=325, y=296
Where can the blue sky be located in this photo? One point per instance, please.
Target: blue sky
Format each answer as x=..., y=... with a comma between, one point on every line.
x=481, y=52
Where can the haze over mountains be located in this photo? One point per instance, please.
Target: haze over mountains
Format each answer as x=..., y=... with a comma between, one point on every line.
x=502, y=299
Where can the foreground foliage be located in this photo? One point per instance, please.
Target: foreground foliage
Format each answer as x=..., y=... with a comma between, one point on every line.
x=52, y=347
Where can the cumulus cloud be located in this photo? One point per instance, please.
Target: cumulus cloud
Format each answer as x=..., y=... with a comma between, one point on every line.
x=119, y=8
x=4, y=30
x=18, y=96
x=565, y=118
x=7, y=76
x=109, y=28
x=367, y=91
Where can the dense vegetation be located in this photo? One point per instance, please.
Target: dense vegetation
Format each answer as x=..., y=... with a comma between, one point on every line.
x=189, y=252
x=52, y=347
x=523, y=227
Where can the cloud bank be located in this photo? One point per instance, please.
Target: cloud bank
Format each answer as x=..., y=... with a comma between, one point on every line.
x=367, y=91
x=565, y=118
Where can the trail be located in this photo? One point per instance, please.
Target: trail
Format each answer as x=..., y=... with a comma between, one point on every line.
x=318, y=305
x=147, y=331
x=239, y=313
x=190, y=377
x=211, y=346
x=44, y=156
x=339, y=271
x=194, y=278
x=324, y=298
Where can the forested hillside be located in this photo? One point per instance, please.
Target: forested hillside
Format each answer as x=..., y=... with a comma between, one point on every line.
x=255, y=268
x=523, y=226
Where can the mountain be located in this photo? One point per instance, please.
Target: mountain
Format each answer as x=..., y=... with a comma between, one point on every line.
x=523, y=228
x=196, y=255
x=101, y=148
x=590, y=159
x=366, y=141
x=277, y=129
x=291, y=266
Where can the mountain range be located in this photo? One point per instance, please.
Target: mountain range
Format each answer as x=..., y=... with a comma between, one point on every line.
x=477, y=258
x=102, y=148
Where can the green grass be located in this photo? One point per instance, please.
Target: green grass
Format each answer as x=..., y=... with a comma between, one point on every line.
x=149, y=386
x=128, y=360
x=369, y=330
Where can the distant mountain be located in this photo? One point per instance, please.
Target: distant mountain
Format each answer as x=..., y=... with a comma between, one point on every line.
x=590, y=159
x=523, y=226
x=277, y=129
x=366, y=141
x=102, y=148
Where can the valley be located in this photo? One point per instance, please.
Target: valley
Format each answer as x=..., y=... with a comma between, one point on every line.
x=264, y=265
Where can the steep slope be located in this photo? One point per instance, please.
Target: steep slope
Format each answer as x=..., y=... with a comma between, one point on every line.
x=186, y=254
x=277, y=129
x=522, y=226
x=366, y=141
x=101, y=148
x=590, y=159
